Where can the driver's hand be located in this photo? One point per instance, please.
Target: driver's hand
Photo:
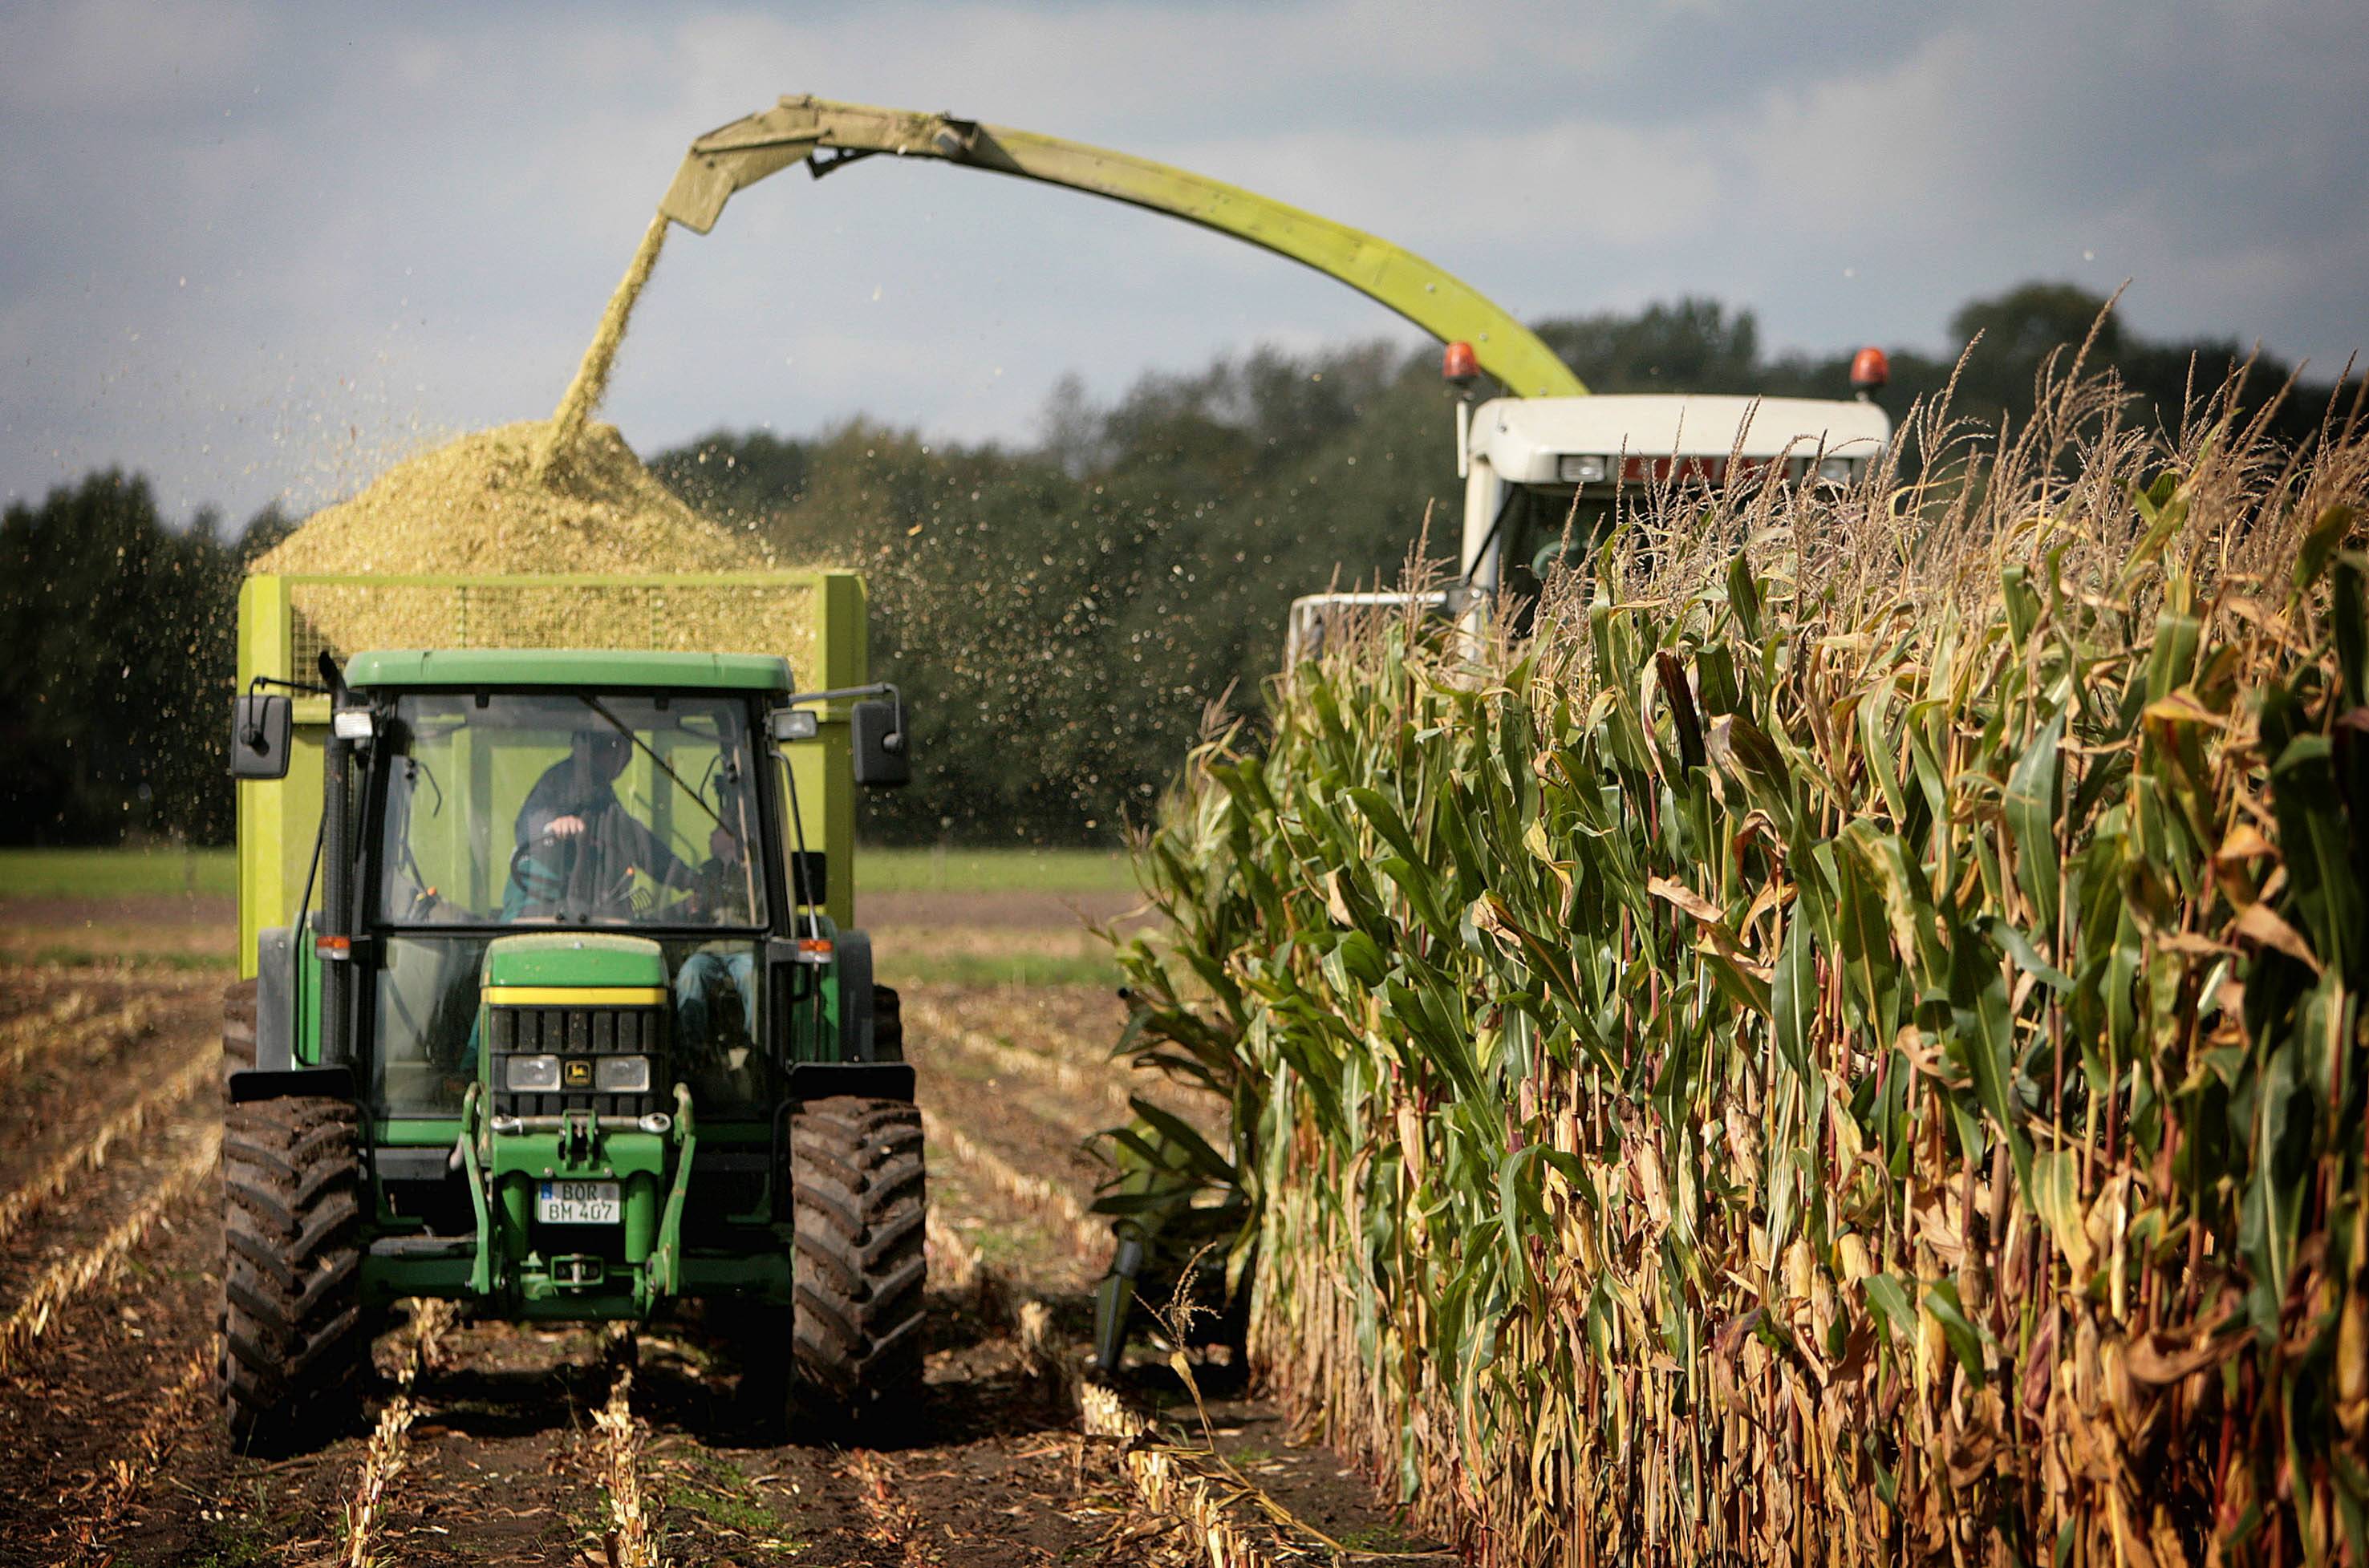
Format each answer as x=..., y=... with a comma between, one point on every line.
x=565, y=826
x=724, y=846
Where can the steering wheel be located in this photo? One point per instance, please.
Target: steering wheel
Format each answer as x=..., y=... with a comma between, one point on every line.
x=1557, y=552
x=613, y=895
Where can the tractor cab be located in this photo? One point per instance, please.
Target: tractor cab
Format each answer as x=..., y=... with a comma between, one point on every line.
x=658, y=822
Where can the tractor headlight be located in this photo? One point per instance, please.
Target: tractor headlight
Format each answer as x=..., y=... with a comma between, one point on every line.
x=531, y=1074
x=622, y=1075
x=1835, y=470
x=1591, y=470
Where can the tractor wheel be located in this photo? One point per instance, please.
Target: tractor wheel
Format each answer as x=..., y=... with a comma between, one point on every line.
x=888, y=1025
x=238, y=1026
x=294, y=1334
x=856, y=1181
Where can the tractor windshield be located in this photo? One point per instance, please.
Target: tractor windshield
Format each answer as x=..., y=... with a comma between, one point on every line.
x=552, y=808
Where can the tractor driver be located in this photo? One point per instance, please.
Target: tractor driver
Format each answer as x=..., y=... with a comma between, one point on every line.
x=578, y=845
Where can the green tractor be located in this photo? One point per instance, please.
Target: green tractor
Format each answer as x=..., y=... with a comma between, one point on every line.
x=561, y=1025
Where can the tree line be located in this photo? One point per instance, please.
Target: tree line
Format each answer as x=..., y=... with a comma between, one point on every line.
x=1061, y=616
x=118, y=645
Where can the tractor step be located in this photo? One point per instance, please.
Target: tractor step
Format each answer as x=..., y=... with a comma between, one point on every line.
x=414, y=1249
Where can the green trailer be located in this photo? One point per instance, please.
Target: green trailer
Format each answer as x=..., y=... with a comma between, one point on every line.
x=551, y=1001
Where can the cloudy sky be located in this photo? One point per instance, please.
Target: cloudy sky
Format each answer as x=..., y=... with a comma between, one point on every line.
x=257, y=250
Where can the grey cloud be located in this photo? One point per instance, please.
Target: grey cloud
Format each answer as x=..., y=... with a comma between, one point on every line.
x=260, y=249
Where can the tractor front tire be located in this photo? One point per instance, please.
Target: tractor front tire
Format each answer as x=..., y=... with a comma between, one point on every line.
x=858, y=1188
x=294, y=1339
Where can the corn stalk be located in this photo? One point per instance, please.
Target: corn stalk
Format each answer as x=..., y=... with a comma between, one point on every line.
x=1848, y=1043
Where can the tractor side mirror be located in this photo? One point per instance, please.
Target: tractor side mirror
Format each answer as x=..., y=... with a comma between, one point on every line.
x=884, y=758
x=259, y=730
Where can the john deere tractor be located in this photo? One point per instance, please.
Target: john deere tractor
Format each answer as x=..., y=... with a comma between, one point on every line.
x=560, y=1025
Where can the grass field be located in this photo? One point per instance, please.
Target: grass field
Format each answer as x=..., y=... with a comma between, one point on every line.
x=995, y=870
x=213, y=872
x=117, y=872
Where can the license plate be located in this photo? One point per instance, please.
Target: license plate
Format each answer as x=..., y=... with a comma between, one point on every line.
x=577, y=1203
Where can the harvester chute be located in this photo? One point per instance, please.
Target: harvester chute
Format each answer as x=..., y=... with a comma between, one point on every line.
x=826, y=136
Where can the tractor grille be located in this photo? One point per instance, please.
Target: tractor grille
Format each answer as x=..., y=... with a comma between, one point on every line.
x=579, y=1036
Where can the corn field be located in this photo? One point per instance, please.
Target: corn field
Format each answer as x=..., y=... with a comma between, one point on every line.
x=1847, y=1043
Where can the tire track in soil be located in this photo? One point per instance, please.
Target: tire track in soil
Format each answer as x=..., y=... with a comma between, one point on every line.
x=501, y=1461
x=990, y=1475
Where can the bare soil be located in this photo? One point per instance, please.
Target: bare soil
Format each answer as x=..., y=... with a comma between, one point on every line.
x=110, y=1449
x=171, y=928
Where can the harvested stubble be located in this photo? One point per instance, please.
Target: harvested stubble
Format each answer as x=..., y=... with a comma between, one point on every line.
x=170, y=1415
x=896, y=1525
x=63, y=1281
x=90, y=1152
x=628, y=1539
x=1189, y=1487
x=388, y=1451
x=72, y=1026
x=1054, y=1202
x=945, y=1027
x=1848, y=1047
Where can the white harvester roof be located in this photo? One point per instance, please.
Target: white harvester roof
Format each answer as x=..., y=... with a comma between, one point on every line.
x=1522, y=438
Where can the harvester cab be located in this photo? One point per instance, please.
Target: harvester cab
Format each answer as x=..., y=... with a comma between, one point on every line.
x=1543, y=477
x=561, y=1028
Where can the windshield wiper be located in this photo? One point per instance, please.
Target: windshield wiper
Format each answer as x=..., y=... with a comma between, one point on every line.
x=599, y=707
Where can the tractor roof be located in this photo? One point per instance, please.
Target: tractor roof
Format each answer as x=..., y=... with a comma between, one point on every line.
x=1523, y=436
x=568, y=666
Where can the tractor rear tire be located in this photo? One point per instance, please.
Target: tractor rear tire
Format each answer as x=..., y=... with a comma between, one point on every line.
x=858, y=1188
x=887, y=1024
x=294, y=1338
x=238, y=1026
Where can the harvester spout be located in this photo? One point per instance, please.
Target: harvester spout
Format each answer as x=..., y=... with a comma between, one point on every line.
x=723, y=162
x=801, y=129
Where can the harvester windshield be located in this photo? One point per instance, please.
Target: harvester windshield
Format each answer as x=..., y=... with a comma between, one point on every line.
x=570, y=809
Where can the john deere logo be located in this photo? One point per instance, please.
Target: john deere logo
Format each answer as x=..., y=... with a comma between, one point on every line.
x=578, y=1073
